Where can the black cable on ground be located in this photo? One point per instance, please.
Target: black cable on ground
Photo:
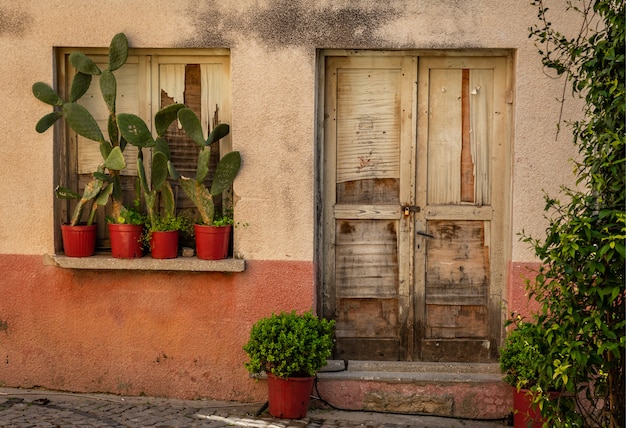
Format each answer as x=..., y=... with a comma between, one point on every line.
x=319, y=397
x=262, y=409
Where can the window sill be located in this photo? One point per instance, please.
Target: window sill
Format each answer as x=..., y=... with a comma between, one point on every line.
x=106, y=262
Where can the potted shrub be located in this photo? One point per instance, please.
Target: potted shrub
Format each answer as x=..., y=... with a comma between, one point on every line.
x=290, y=349
x=520, y=359
x=105, y=183
x=212, y=239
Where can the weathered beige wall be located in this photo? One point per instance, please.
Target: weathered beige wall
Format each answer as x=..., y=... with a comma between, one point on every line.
x=273, y=45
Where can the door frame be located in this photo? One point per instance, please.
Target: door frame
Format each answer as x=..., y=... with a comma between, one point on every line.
x=498, y=295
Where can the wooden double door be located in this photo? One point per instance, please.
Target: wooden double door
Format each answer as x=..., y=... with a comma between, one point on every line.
x=415, y=175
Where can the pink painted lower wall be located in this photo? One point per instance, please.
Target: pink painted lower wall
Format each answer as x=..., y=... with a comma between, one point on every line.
x=165, y=334
x=155, y=333
x=518, y=301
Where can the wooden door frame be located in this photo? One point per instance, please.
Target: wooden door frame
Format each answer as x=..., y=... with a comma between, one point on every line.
x=498, y=293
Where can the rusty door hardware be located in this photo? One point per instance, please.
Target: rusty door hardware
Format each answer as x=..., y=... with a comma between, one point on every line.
x=408, y=209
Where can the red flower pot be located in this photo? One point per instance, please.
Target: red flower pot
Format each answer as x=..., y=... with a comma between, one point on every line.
x=212, y=241
x=79, y=241
x=526, y=414
x=126, y=240
x=164, y=244
x=289, y=398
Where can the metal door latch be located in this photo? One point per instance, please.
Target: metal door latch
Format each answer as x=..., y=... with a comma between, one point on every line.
x=408, y=209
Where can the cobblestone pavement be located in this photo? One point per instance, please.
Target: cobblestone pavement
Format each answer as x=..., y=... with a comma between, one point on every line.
x=25, y=408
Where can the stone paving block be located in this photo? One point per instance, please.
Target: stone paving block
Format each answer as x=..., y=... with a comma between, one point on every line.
x=42, y=409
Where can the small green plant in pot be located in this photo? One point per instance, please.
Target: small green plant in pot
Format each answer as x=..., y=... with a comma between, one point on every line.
x=521, y=356
x=290, y=348
x=162, y=234
x=211, y=242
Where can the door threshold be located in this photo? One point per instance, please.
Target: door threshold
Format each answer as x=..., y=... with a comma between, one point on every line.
x=410, y=371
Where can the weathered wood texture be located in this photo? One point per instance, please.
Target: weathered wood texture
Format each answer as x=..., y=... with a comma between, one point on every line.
x=459, y=136
x=417, y=283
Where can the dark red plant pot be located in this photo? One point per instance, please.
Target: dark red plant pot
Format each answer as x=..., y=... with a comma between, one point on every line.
x=289, y=398
x=525, y=414
x=126, y=240
x=164, y=244
x=212, y=241
x=79, y=241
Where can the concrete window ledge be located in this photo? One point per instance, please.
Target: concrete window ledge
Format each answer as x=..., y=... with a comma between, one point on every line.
x=106, y=262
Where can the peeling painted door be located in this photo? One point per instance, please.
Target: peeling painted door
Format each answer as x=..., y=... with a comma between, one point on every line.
x=414, y=159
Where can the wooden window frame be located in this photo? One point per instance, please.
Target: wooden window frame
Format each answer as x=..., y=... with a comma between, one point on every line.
x=148, y=97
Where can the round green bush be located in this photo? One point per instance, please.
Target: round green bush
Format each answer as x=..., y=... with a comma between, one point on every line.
x=289, y=345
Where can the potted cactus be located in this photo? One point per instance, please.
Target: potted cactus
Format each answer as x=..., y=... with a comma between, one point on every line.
x=105, y=180
x=162, y=228
x=212, y=240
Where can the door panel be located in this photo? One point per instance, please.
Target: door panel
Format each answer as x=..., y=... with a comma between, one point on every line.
x=461, y=139
x=412, y=263
x=457, y=280
x=369, y=130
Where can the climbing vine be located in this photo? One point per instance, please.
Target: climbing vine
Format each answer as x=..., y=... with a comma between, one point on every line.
x=580, y=286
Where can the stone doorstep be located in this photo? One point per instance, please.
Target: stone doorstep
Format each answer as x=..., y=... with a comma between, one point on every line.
x=473, y=390
x=410, y=372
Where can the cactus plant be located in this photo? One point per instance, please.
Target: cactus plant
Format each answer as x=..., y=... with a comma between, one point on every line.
x=84, y=124
x=136, y=132
x=225, y=172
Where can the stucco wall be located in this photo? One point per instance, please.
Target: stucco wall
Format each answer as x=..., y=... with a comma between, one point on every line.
x=162, y=333
x=273, y=79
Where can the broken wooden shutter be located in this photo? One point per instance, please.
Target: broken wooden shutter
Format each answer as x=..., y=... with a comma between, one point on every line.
x=203, y=85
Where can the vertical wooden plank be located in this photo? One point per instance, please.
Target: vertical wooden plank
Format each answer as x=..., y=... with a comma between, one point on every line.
x=480, y=106
x=500, y=192
x=467, y=163
x=406, y=240
x=444, y=136
x=329, y=150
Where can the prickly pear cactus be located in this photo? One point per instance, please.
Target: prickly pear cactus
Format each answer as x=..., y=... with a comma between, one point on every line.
x=83, y=123
x=135, y=131
x=225, y=172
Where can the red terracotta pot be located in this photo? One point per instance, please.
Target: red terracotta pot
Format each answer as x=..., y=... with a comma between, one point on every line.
x=525, y=413
x=164, y=244
x=212, y=241
x=126, y=240
x=79, y=241
x=289, y=398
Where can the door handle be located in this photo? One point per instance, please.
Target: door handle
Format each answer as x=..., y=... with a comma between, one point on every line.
x=408, y=209
x=427, y=235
